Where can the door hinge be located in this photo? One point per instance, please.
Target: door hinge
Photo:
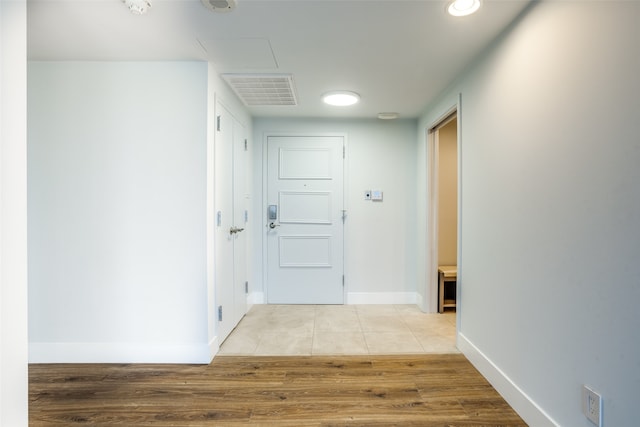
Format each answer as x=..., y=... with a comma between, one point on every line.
x=218, y=119
x=343, y=280
x=245, y=146
x=219, y=218
x=246, y=287
x=344, y=216
x=219, y=313
x=344, y=150
x=246, y=216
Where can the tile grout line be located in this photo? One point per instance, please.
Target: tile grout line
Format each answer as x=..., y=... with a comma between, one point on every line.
x=415, y=337
x=424, y=350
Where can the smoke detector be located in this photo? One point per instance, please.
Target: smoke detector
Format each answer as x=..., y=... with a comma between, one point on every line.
x=220, y=5
x=137, y=7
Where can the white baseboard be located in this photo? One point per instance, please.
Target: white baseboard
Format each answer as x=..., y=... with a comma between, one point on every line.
x=121, y=353
x=356, y=298
x=255, y=298
x=214, y=348
x=528, y=410
x=423, y=305
x=382, y=298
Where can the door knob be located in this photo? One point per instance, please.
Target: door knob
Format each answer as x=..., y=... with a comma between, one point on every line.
x=235, y=230
x=273, y=225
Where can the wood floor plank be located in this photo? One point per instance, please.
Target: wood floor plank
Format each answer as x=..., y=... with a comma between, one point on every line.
x=421, y=390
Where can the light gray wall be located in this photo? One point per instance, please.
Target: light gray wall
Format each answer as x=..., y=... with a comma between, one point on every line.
x=117, y=204
x=13, y=214
x=550, y=123
x=379, y=237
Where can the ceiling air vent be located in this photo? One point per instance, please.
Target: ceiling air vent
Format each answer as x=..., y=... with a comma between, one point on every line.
x=263, y=89
x=220, y=5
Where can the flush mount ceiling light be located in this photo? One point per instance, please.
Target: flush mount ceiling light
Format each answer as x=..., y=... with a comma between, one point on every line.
x=340, y=98
x=137, y=7
x=387, y=116
x=219, y=5
x=463, y=7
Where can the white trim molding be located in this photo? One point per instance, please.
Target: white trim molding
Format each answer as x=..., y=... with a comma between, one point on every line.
x=364, y=298
x=528, y=410
x=382, y=298
x=214, y=348
x=254, y=298
x=195, y=353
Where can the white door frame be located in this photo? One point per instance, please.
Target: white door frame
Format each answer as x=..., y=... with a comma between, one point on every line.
x=430, y=300
x=263, y=213
x=241, y=197
x=218, y=331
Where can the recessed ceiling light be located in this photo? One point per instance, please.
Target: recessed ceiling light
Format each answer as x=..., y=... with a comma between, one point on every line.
x=137, y=7
x=340, y=98
x=463, y=7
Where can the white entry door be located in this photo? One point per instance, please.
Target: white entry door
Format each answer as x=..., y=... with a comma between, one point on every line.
x=305, y=219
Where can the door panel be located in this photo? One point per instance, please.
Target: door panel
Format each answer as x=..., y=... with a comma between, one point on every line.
x=304, y=163
x=305, y=241
x=223, y=200
x=305, y=251
x=305, y=207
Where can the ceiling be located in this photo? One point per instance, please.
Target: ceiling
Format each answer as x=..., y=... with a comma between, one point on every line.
x=399, y=55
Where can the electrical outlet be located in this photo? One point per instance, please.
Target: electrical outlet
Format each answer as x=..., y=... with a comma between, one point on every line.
x=592, y=405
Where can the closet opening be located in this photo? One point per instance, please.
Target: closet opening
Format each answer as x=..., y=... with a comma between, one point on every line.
x=443, y=187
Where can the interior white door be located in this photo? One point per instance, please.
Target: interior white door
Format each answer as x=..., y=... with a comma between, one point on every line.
x=223, y=206
x=305, y=219
x=230, y=231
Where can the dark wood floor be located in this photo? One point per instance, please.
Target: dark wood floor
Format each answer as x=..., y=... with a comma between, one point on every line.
x=421, y=390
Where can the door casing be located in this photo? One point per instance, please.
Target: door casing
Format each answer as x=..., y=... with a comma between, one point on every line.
x=430, y=299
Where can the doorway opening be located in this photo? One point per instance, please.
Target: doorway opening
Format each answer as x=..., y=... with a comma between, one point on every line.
x=443, y=239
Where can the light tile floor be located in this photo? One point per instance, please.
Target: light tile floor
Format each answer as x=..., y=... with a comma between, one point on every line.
x=279, y=330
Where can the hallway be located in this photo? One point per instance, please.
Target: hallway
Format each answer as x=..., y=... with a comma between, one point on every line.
x=304, y=330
